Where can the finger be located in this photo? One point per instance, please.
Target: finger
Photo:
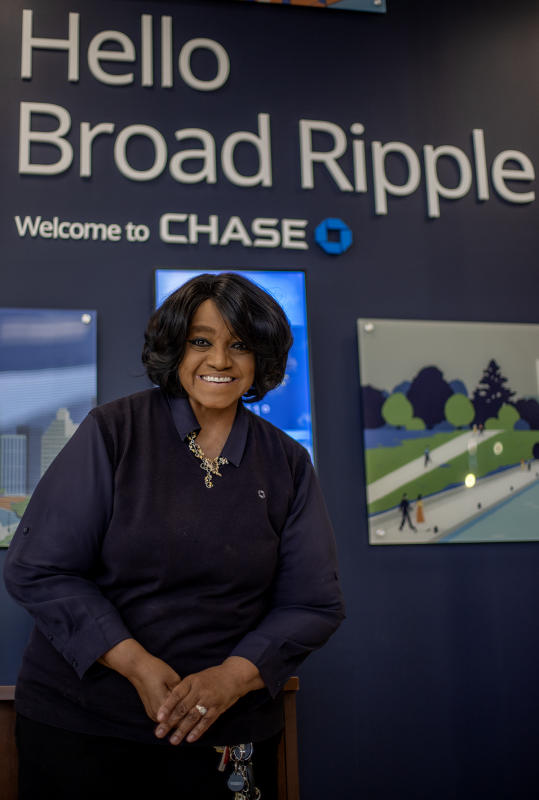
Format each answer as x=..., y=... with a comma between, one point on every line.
x=202, y=726
x=192, y=720
x=182, y=708
x=176, y=696
x=179, y=713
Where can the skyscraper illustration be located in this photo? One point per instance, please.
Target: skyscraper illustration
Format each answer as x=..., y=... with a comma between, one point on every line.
x=13, y=455
x=55, y=437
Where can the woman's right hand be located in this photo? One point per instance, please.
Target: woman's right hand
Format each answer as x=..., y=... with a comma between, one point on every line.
x=152, y=678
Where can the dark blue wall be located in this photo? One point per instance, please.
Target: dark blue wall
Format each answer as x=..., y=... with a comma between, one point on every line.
x=429, y=689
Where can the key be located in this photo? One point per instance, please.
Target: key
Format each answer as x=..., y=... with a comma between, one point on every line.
x=236, y=781
x=242, y=752
x=241, y=781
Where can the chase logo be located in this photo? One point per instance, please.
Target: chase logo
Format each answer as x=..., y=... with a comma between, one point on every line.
x=333, y=236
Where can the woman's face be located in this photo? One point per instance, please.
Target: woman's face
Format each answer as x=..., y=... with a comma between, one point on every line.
x=216, y=368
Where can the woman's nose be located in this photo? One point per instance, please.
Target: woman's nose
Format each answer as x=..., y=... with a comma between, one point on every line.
x=220, y=357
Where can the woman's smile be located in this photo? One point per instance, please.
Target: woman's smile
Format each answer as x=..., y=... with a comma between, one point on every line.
x=216, y=378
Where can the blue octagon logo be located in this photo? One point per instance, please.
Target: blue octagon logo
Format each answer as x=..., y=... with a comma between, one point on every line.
x=333, y=236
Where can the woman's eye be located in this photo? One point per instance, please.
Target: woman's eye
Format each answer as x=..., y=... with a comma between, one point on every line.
x=199, y=342
x=240, y=346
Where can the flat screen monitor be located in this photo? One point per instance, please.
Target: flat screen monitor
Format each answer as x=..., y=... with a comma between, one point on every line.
x=289, y=405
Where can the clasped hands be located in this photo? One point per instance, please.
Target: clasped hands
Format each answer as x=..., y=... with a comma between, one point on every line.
x=171, y=701
x=182, y=714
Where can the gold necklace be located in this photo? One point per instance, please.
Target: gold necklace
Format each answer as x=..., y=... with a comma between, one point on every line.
x=209, y=465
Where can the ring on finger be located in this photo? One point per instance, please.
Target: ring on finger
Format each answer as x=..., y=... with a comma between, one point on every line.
x=201, y=709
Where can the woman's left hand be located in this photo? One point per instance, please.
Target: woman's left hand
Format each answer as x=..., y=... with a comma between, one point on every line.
x=199, y=699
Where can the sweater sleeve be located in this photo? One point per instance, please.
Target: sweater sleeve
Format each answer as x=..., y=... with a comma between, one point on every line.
x=56, y=550
x=307, y=604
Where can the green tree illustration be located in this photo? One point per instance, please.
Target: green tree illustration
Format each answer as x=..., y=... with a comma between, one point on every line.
x=507, y=416
x=459, y=410
x=398, y=411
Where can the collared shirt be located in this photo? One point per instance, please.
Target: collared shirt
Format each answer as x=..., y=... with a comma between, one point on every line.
x=122, y=538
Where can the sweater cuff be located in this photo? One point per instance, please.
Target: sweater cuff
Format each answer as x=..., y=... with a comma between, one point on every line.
x=261, y=652
x=89, y=643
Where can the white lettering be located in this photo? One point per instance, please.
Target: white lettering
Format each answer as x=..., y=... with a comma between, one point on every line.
x=235, y=232
x=166, y=52
x=165, y=222
x=358, y=151
x=382, y=186
x=28, y=225
x=160, y=152
x=146, y=38
x=96, y=55
x=206, y=154
x=327, y=157
x=64, y=229
x=223, y=64
x=114, y=232
x=481, y=175
x=46, y=229
x=137, y=233
x=87, y=136
x=124, y=51
x=294, y=234
x=29, y=42
x=262, y=145
x=500, y=174
x=76, y=230
x=212, y=228
x=435, y=189
x=54, y=138
x=264, y=229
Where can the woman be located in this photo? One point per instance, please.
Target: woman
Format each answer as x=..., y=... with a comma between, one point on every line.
x=179, y=563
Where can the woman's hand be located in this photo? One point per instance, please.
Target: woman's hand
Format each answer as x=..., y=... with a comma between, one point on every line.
x=154, y=682
x=152, y=678
x=214, y=689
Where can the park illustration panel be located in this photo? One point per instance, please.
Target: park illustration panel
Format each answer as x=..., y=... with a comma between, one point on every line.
x=450, y=416
x=48, y=383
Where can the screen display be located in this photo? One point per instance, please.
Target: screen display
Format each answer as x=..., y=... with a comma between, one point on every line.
x=289, y=405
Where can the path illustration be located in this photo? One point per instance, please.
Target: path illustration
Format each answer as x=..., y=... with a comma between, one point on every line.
x=415, y=469
x=448, y=511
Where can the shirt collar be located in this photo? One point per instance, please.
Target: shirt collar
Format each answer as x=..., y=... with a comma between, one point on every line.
x=186, y=422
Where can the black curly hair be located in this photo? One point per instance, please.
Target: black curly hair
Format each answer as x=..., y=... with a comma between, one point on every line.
x=254, y=316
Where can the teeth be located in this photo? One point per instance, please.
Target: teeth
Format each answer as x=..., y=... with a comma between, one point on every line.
x=216, y=379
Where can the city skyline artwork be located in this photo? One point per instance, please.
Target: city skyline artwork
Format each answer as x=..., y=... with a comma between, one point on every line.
x=48, y=383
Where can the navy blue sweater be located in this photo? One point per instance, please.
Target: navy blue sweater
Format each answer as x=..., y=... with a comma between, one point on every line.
x=122, y=539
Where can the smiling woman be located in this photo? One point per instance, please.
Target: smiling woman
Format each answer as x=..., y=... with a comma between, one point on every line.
x=236, y=340
x=217, y=368
x=249, y=313
x=172, y=606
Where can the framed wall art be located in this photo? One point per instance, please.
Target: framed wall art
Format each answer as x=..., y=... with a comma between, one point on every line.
x=451, y=430
x=48, y=383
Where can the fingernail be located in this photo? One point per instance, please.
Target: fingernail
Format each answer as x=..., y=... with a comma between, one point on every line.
x=191, y=737
x=174, y=739
x=161, y=716
x=160, y=731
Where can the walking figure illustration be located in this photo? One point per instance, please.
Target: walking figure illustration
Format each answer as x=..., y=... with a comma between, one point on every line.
x=405, y=509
